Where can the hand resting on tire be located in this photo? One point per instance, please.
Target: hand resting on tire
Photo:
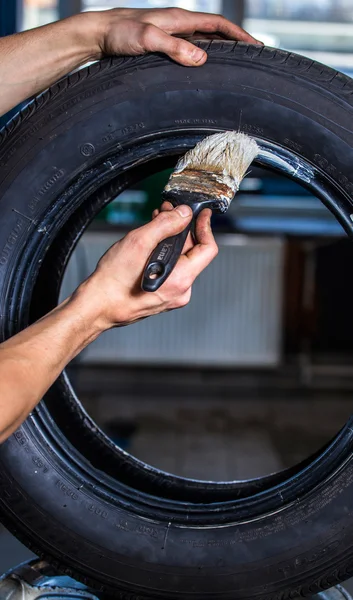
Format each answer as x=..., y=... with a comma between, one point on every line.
x=32, y=60
x=137, y=31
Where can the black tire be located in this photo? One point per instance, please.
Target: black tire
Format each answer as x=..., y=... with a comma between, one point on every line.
x=65, y=490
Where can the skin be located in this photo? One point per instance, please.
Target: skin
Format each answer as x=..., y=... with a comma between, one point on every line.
x=111, y=297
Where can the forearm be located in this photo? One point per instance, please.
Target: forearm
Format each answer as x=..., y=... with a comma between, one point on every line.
x=31, y=361
x=32, y=60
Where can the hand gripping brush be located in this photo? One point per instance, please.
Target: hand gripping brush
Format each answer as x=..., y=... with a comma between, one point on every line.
x=208, y=176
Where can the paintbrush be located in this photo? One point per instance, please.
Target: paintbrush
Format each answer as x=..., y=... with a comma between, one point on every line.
x=207, y=176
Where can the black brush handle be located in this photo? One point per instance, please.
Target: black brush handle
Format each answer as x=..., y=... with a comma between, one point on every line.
x=163, y=260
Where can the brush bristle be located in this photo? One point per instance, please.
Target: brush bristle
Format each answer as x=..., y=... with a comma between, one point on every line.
x=228, y=154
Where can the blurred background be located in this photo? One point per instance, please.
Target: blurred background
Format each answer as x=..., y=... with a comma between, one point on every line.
x=256, y=373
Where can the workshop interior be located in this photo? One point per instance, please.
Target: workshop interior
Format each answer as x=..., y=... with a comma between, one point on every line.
x=254, y=376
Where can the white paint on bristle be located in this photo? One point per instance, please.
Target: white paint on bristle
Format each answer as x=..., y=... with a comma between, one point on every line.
x=227, y=155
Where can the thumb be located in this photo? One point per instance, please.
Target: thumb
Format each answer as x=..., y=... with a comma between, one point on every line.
x=180, y=50
x=166, y=224
x=185, y=52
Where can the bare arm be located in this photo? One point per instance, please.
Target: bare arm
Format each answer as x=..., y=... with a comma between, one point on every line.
x=32, y=360
x=33, y=60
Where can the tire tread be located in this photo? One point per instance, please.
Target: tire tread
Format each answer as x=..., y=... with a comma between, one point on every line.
x=289, y=62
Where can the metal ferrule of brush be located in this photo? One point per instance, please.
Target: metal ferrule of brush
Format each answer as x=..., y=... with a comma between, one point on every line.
x=208, y=187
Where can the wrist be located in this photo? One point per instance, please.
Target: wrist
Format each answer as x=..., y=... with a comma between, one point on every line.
x=85, y=30
x=89, y=29
x=94, y=305
x=86, y=303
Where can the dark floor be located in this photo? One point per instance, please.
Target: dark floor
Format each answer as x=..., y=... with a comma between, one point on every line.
x=212, y=432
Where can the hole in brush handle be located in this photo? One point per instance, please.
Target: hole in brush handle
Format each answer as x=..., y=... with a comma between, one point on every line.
x=155, y=270
x=154, y=276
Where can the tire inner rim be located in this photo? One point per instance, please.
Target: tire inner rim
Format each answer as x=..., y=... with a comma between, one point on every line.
x=67, y=427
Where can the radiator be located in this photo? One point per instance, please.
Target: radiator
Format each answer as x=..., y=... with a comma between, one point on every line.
x=234, y=317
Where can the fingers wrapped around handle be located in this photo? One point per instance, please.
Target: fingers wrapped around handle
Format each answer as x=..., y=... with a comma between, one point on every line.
x=163, y=260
